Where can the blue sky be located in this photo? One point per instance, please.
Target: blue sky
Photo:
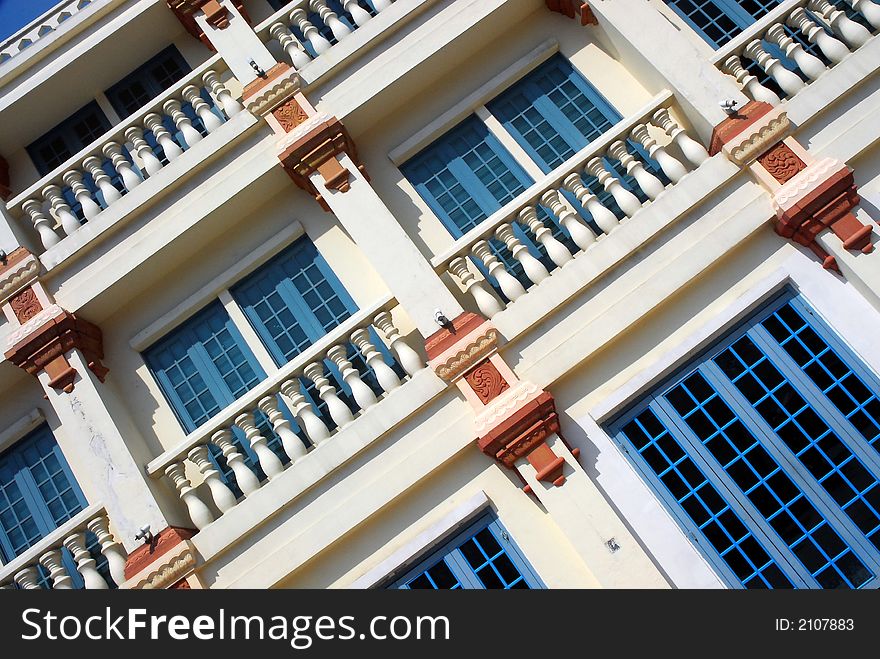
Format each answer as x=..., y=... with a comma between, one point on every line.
x=15, y=14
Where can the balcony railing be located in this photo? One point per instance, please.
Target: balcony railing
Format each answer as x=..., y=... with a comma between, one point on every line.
x=587, y=182
x=301, y=390
x=116, y=163
x=795, y=44
x=308, y=28
x=72, y=547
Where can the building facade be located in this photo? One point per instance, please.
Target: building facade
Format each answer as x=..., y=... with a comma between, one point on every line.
x=441, y=294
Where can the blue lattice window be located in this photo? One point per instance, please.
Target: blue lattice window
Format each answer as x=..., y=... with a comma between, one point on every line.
x=68, y=138
x=203, y=366
x=765, y=451
x=483, y=556
x=719, y=21
x=147, y=81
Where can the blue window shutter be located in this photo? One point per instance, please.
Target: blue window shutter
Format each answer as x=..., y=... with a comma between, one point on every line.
x=482, y=556
x=753, y=450
x=147, y=82
x=37, y=492
x=719, y=21
x=67, y=138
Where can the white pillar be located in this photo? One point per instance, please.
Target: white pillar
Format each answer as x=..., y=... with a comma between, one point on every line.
x=95, y=437
x=237, y=44
x=389, y=249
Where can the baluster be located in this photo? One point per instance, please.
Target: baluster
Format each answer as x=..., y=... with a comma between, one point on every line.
x=338, y=410
x=868, y=9
x=750, y=84
x=269, y=462
x=852, y=33
x=247, y=480
x=834, y=49
x=199, y=513
x=93, y=166
x=604, y=218
x=293, y=445
x=649, y=183
x=141, y=147
x=339, y=29
x=220, y=492
x=694, y=151
x=74, y=180
x=811, y=65
x=306, y=416
x=557, y=252
x=110, y=547
x=170, y=147
x=299, y=18
x=220, y=91
x=787, y=80
x=358, y=13
x=173, y=109
x=407, y=357
x=385, y=375
x=671, y=166
x=486, y=301
x=129, y=178
x=41, y=223
x=510, y=285
x=291, y=45
x=362, y=394
x=28, y=578
x=534, y=269
x=58, y=576
x=69, y=221
x=627, y=201
x=200, y=106
x=379, y=5
x=85, y=564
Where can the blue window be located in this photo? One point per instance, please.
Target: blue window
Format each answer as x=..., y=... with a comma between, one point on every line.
x=68, y=138
x=719, y=21
x=293, y=300
x=482, y=556
x=765, y=450
x=147, y=82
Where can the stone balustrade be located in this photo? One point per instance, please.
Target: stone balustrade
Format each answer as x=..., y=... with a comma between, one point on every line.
x=307, y=28
x=41, y=27
x=569, y=210
x=101, y=174
x=795, y=44
x=320, y=391
x=81, y=553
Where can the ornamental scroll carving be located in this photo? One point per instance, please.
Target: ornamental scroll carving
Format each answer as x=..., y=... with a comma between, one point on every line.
x=25, y=305
x=486, y=381
x=781, y=162
x=290, y=115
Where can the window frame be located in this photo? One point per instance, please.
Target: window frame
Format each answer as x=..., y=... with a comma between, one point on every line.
x=143, y=75
x=653, y=398
x=65, y=130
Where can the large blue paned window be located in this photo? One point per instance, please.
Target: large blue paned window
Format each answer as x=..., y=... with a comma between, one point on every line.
x=719, y=21
x=765, y=450
x=147, y=82
x=68, y=138
x=37, y=492
x=482, y=556
x=293, y=300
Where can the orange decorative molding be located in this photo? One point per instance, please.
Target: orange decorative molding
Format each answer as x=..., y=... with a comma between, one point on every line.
x=442, y=340
x=486, y=381
x=21, y=270
x=524, y=434
x=42, y=344
x=754, y=138
x=167, y=562
x=289, y=115
x=454, y=350
x=25, y=305
x=574, y=9
x=821, y=196
x=781, y=162
x=216, y=14
x=737, y=123
x=262, y=95
x=314, y=147
x=5, y=189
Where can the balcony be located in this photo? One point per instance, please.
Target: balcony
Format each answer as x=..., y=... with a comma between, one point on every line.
x=300, y=390
x=69, y=558
x=132, y=165
x=796, y=44
x=496, y=268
